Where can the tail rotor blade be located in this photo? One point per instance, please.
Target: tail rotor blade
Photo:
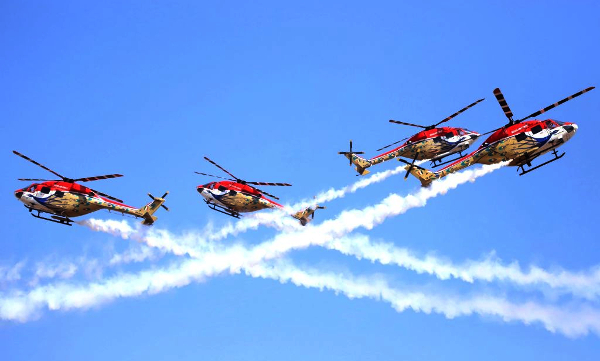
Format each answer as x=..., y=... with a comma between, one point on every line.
x=350, y=153
x=533, y=115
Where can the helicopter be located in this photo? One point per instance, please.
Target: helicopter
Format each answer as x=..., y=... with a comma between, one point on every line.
x=233, y=196
x=431, y=143
x=518, y=142
x=65, y=198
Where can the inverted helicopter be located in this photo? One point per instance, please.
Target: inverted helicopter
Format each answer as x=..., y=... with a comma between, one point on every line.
x=431, y=143
x=235, y=196
x=65, y=199
x=518, y=142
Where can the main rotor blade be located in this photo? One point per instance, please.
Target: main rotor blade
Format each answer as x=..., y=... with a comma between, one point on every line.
x=263, y=192
x=107, y=196
x=556, y=104
x=491, y=131
x=38, y=164
x=269, y=184
x=503, y=103
x=216, y=176
x=460, y=111
x=389, y=145
x=98, y=177
x=403, y=123
x=221, y=168
x=33, y=179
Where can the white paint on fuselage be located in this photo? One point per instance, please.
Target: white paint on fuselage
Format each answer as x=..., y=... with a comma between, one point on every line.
x=28, y=198
x=211, y=196
x=558, y=136
x=463, y=142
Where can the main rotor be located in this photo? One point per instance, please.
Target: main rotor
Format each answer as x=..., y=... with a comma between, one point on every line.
x=67, y=179
x=241, y=181
x=433, y=126
x=509, y=114
x=428, y=127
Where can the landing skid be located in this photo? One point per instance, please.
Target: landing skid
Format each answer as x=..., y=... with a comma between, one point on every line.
x=56, y=219
x=434, y=163
x=222, y=209
x=522, y=166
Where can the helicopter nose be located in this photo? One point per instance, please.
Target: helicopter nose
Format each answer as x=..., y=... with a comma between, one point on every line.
x=474, y=136
x=18, y=194
x=200, y=189
x=571, y=128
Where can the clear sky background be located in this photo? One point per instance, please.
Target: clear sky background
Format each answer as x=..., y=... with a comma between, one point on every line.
x=272, y=91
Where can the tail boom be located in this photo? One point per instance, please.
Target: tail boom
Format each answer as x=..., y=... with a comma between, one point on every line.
x=361, y=163
x=306, y=215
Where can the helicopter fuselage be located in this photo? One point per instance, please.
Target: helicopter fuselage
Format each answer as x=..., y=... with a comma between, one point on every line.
x=235, y=197
x=518, y=144
x=66, y=199
x=434, y=143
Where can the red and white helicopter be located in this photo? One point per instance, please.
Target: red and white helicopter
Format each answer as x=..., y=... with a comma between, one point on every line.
x=519, y=142
x=235, y=196
x=64, y=199
x=431, y=143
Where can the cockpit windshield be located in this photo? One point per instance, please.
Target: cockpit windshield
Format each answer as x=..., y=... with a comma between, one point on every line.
x=31, y=188
x=551, y=124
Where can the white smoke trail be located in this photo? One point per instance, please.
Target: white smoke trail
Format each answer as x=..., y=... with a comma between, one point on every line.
x=280, y=218
x=332, y=193
x=213, y=257
x=11, y=273
x=571, y=322
x=24, y=306
x=581, y=284
x=301, y=237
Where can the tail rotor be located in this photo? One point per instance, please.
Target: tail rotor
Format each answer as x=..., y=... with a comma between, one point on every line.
x=162, y=198
x=350, y=153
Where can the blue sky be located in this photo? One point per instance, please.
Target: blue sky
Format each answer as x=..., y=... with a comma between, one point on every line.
x=272, y=91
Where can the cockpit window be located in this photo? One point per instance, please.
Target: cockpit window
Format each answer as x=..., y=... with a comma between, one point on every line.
x=31, y=189
x=45, y=190
x=550, y=124
x=448, y=135
x=536, y=129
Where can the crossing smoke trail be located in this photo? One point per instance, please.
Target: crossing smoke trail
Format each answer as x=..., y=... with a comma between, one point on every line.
x=251, y=221
x=279, y=217
x=236, y=258
x=214, y=258
x=24, y=306
x=302, y=237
